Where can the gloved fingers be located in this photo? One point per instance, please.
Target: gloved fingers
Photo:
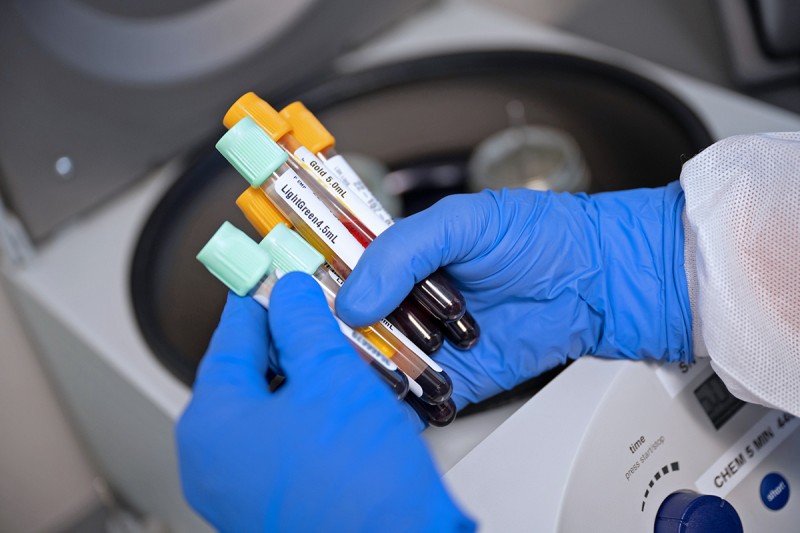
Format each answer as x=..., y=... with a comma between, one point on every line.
x=453, y=230
x=499, y=362
x=238, y=351
x=306, y=335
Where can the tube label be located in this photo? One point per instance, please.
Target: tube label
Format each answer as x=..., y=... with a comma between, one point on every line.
x=414, y=388
x=291, y=189
x=342, y=168
x=342, y=189
x=334, y=183
x=364, y=345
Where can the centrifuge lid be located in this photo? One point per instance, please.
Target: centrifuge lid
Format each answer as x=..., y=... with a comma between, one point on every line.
x=94, y=93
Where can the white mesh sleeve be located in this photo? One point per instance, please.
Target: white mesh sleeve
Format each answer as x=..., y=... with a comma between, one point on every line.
x=742, y=251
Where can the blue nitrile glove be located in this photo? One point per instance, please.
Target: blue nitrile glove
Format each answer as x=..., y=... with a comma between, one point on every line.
x=547, y=276
x=331, y=450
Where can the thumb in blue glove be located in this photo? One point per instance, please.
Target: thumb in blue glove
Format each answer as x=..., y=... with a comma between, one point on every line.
x=548, y=277
x=330, y=450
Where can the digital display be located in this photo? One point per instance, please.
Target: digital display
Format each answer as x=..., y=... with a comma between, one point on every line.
x=719, y=404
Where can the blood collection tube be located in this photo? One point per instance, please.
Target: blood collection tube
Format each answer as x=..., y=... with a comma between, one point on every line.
x=435, y=293
x=247, y=269
x=438, y=415
x=263, y=164
x=409, y=317
x=290, y=252
x=330, y=192
x=319, y=141
x=307, y=129
x=462, y=333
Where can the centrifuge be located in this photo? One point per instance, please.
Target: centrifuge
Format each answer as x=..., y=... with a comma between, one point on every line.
x=103, y=223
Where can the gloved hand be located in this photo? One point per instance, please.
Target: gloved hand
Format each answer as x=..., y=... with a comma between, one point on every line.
x=547, y=276
x=331, y=450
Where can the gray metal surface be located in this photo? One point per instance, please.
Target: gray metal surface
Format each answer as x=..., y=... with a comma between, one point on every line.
x=93, y=96
x=680, y=34
x=777, y=23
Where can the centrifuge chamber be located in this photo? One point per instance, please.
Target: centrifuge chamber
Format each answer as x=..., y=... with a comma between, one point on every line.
x=120, y=311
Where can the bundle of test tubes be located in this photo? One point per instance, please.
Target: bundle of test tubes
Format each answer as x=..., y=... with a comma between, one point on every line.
x=316, y=216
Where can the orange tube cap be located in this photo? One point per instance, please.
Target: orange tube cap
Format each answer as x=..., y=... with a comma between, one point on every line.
x=263, y=114
x=259, y=211
x=307, y=128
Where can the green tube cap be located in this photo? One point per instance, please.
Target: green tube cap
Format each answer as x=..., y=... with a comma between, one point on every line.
x=290, y=252
x=251, y=151
x=235, y=259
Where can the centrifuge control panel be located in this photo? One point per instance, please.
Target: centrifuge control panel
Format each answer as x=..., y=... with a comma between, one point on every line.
x=662, y=429
x=602, y=447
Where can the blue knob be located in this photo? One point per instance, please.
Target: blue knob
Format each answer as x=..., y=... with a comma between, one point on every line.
x=686, y=511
